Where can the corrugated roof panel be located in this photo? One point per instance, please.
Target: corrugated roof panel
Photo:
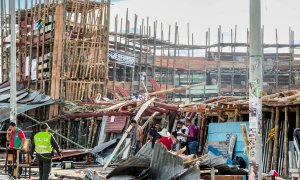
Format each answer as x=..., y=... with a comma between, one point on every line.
x=29, y=99
x=115, y=124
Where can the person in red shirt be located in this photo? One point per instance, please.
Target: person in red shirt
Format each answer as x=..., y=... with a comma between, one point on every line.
x=167, y=139
x=15, y=136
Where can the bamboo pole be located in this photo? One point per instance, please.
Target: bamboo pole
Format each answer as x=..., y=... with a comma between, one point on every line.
x=271, y=142
x=286, y=143
x=276, y=140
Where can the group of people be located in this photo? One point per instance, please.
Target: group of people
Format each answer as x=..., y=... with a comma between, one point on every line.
x=185, y=135
x=43, y=144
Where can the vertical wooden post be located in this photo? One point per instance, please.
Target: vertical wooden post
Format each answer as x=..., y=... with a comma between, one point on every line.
x=69, y=133
x=276, y=140
x=161, y=54
x=57, y=58
x=174, y=60
x=286, y=142
x=271, y=142
x=90, y=132
x=80, y=132
x=219, y=61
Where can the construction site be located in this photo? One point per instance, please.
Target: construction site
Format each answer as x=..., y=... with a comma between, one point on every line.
x=91, y=77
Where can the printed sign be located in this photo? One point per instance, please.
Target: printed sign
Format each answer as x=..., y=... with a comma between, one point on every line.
x=122, y=58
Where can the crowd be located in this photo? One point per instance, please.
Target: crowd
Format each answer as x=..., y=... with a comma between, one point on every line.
x=186, y=134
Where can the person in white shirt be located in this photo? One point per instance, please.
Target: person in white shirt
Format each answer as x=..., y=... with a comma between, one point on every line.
x=181, y=129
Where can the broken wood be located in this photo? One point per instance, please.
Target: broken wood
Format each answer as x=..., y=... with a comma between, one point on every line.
x=246, y=138
x=137, y=118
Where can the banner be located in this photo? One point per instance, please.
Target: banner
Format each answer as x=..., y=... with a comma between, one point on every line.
x=122, y=58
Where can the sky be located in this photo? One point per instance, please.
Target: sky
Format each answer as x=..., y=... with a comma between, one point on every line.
x=204, y=14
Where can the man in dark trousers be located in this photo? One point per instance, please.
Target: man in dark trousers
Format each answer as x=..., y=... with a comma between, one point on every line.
x=43, y=144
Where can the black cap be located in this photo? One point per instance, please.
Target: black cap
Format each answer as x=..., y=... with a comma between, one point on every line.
x=44, y=126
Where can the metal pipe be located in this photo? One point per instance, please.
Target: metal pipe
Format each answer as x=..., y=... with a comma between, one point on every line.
x=13, y=80
x=255, y=89
x=78, y=145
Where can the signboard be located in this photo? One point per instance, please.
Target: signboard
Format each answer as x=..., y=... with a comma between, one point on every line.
x=122, y=58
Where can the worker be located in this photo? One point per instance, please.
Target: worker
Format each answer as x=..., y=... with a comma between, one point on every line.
x=16, y=139
x=43, y=145
x=192, y=137
x=167, y=139
x=136, y=136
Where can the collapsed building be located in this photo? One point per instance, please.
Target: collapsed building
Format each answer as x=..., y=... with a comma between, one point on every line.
x=66, y=51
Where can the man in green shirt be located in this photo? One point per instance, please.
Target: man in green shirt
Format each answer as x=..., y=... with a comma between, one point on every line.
x=43, y=144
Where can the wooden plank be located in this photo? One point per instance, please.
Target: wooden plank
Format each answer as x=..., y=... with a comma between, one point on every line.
x=271, y=142
x=286, y=143
x=225, y=177
x=276, y=140
x=57, y=58
x=245, y=137
x=137, y=118
x=231, y=145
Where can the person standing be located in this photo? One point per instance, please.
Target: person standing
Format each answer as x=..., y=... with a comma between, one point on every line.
x=43, y=144
x=136, y=136
x=15, y=136
x=192, y=137
x=16, y=139
x=182, y=129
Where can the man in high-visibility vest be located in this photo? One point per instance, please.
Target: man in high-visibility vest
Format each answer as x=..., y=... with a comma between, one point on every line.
x=43, y=144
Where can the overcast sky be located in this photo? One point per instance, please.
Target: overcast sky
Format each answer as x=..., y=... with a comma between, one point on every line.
x=204, y=14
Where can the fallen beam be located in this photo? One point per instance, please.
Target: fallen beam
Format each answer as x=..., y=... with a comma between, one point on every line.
x=166, y=91
x=137, y=118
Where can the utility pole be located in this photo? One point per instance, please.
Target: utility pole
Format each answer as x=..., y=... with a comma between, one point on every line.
x=1, y=36
x=255, y=92
x=13, y=80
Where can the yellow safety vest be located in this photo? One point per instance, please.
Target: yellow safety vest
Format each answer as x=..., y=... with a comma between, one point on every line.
x=42, y=141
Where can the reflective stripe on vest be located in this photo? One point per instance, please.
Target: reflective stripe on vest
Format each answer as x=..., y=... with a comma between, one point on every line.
x=42, y=141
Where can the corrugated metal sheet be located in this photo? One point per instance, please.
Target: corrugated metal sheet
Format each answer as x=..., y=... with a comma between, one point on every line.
x=164, y=165
x=115, y=124
x=27, y=100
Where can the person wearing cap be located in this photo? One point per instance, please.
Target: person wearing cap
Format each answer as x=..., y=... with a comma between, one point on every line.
x=167, y=139
x=43, y=144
